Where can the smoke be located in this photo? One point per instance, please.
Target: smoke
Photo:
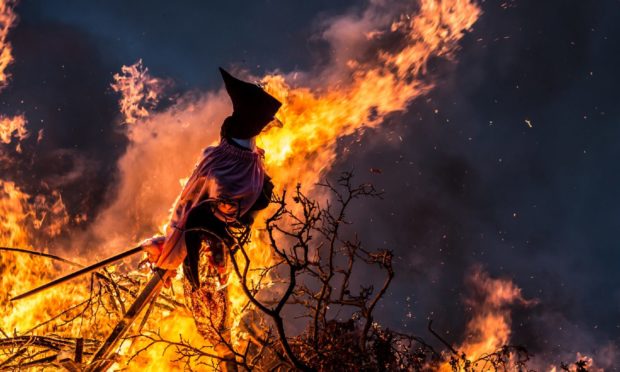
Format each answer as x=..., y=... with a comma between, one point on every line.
x=356, y=36
x=162, y=151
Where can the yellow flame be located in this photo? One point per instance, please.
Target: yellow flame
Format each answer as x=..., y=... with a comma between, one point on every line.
x=7, y=20
x=20, y=272
x=304, y=148
x=490, y=326
x=139, y=91
x=13, y=128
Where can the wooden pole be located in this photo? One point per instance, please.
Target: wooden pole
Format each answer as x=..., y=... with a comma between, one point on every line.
x=35, y=253
x=103, y=357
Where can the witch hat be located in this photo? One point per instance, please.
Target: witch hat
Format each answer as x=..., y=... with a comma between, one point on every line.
x=253, y=108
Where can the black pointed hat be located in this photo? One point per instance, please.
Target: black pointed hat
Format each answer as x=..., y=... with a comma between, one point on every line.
x=253, y=108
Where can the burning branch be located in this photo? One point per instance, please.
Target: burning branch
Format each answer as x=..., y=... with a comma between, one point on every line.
x=109, y=291
x=42, y=254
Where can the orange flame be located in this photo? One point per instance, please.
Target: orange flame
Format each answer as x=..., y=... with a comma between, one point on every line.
x=589, y=365
x=20, y=273
x=139, y=91
x=304, y=148
x=7, y=20
x=21, y=216
x=490, y=326
x=13, y=128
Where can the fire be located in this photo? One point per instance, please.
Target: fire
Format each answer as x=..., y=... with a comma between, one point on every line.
x=357, y=92
x=139, y=91
x=489, y=328
x=7, y=20
x=13, y=215
x=490, y=325
x=24, y=221
x=585, y=361
x=304, y=148
x=13, y=128
x=21, y=273
x=10, y=127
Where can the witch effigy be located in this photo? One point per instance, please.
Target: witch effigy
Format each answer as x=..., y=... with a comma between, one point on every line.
x=227, y=188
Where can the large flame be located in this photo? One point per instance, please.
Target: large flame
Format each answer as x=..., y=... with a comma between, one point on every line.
x=12, y=128
x=24, y=221
x=18, y=217
x=489, y=327
x=304, y=148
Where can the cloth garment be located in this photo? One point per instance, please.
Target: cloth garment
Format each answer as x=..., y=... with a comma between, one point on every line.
x=229, y=179
x=205, y=287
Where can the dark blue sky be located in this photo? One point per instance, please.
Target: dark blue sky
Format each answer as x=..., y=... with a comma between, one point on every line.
x=469, y=184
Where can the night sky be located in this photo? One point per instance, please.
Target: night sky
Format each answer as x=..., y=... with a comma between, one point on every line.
x=467, y=181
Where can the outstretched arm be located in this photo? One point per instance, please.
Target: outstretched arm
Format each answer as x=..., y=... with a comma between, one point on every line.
x=168, y=252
